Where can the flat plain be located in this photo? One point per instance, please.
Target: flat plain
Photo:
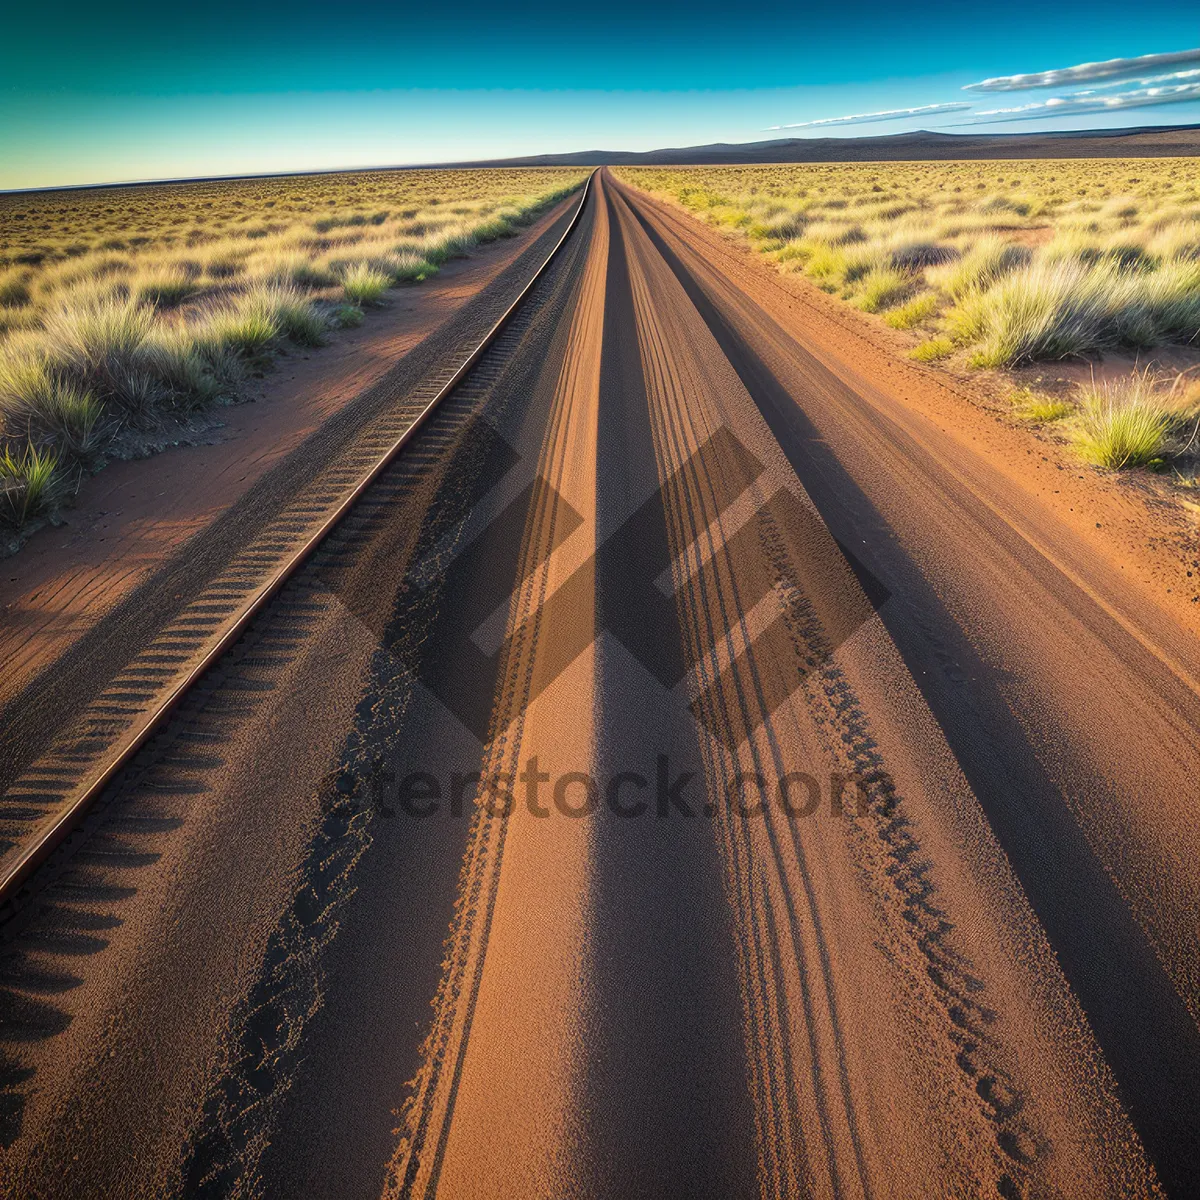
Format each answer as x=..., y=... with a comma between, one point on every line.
x=122, y=308
x=718, y=755
x=999, y=265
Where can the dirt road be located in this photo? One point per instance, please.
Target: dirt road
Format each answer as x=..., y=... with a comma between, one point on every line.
x=693, y=772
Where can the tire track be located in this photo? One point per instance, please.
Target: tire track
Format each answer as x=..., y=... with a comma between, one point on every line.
x=429, y=1115
x=747, y=718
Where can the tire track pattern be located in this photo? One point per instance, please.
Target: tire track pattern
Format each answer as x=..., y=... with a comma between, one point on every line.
x=784, y=936
x=427, y=1114
x=413, y=513
x=46, y=786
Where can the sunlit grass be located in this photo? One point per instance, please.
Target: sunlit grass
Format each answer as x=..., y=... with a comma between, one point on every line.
x=164, y=286
x=293, y=315
x=1020, y=261
x=933, y=350
x=245, y=331
x=365, y=284
x=883, y=287
x=1123, y=423
x=918, y=309
x=1040, y=410
x=122, y=308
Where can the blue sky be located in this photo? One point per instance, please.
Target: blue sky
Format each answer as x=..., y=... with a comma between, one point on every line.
x=92, y=93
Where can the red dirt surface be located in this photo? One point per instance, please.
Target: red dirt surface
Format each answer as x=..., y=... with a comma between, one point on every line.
x=133, y=514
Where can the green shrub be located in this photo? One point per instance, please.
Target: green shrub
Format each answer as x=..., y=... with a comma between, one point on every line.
x=27, y=484
x=346, y=316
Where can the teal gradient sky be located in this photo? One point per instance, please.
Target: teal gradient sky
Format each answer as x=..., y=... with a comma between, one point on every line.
x=140, y=91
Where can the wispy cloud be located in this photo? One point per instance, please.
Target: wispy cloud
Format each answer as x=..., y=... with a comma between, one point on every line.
x=891, y=114
x=1085, y=72
x=1089, y=102
x=1149, y=81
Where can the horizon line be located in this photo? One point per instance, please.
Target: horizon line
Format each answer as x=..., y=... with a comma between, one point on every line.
x=460, y=164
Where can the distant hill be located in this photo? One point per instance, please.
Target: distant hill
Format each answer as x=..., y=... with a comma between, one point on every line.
x=1150, y=141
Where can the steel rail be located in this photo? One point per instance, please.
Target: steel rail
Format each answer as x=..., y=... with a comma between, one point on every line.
x=17, y=871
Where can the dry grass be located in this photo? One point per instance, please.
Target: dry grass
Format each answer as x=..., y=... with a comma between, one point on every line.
x=1040, y=410
x=1017, y=261
x=122, y=307
x=1128, y=422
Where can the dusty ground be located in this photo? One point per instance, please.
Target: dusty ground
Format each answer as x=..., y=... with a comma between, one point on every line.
x=128, y=519
x=1140, y=531
x=694, y=539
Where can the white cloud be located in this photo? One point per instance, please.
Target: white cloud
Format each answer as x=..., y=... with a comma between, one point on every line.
x=1090, y=102
x=891, y=114
x=1084, y=73
x=1150, y=81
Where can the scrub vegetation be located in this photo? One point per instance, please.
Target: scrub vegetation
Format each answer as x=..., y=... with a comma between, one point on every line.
x=124, y=309
x=1139, y=420
x=992, y=264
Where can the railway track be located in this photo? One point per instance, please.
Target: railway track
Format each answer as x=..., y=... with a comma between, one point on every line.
x=621, y=562
x=44, y=806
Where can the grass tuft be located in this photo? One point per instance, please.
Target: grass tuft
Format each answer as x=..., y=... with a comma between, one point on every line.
x=933, y=350
x=27, y=483
x=249, y=334
x=96, y=343
x=1041, y=410
x=918, y=309
x=194, y=370
x=249, y=324
x=1122, y=424
x=411, y=268
x=989, y=260
x=884, y=287
x=1046, y=310
x=364, y=284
